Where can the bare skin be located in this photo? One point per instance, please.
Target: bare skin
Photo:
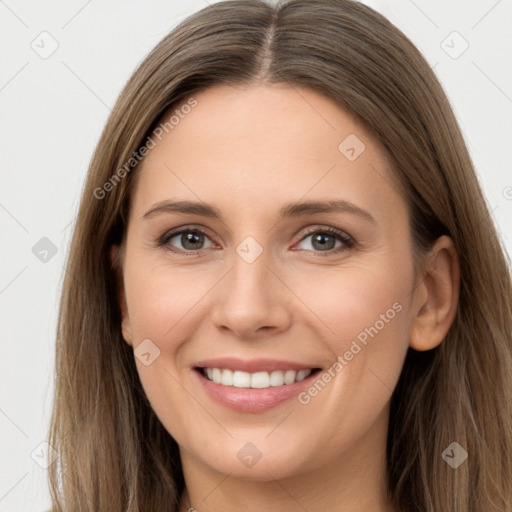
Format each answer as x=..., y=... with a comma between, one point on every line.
x=249, y=151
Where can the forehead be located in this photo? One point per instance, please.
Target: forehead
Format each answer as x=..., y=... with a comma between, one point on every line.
x=263, y=145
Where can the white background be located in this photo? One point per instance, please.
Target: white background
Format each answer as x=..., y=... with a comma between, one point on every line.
x=52, y=113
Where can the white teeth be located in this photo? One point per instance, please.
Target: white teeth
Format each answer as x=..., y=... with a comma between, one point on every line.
x=260, y=380
x=276, y=378
x=226, y=378
x=289, y=377
x=241, y=379
x=216, y=375
x=302, y=374
x=257, y=380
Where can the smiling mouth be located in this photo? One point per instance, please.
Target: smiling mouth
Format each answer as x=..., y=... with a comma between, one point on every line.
x=256, y=380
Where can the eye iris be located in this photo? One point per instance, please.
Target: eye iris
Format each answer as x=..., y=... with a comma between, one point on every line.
x=192, y=240
x=326, y=241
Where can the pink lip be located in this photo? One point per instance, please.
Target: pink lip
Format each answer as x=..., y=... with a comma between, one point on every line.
x=249, y=399
x=252, y=365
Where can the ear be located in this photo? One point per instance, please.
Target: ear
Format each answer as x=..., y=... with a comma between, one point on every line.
x=436, y=297
x=115, y=261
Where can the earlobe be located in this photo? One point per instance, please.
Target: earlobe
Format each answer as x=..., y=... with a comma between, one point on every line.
x=116, y=266
x=126, y=330
x=436, y=298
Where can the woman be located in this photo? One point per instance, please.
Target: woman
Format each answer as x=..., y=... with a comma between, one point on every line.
x=284, y=289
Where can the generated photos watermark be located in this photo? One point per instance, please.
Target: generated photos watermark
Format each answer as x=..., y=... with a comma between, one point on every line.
x=355, y=348
x=158, y=132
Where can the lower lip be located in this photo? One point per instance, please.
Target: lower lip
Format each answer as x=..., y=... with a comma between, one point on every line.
x=251, y=399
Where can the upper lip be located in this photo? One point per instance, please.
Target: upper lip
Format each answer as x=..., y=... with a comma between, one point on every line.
x=251, y=365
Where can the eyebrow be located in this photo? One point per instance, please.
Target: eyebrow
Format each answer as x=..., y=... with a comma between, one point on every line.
x=288, y=211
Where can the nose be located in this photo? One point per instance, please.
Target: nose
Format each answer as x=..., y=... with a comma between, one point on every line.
x=252, y=302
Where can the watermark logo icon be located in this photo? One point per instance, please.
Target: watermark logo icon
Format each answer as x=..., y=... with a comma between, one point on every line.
x=45, y=45
x=146, y=352
x=44, y=250
x=249, y=455
x=454, y=455
x=454, y=45
x=351, y=147
x=44, y=455
x=249, y=249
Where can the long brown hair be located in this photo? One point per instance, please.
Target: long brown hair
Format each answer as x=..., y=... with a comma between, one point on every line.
x=114, y=454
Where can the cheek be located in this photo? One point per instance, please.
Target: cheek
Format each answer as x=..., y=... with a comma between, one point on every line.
x=361, y=315
x=161, y=304
x=161, y=297
x=366, y=315
x=352, y=301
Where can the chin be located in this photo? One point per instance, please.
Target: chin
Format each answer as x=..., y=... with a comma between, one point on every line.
x=257, y=461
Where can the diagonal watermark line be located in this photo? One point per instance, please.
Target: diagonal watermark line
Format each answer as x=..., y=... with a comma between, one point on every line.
x=69, y=224
x=380, y=379
x=485, y=15
x=301, y=300
x=227, y=227
x=280, y=423
x=312, y=108
x=75, y=15
x=86, y=85
x=495, y=415
x=287, y=492
x=14, y=486
x=69, y=273
x=14, y=218
x=390, y=183
x=198, y=301
x=14, y=423
x=13, y=279
x=492, y=81
x=13, y=13
x=306, y=193
x=70, y=480
x=216, y=487
x=14, y=76
x=425, y=14
x=199, y=403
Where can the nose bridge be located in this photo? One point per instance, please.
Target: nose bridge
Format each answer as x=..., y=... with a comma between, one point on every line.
x=249, y=271
x=249, y=285
x=248, y=275
x=250, y=298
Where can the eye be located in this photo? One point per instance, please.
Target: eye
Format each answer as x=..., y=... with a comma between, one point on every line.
x=329, y=240
x=190, y=239
x=326, y=240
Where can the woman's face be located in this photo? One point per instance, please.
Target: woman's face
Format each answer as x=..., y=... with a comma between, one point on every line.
x=267, y=236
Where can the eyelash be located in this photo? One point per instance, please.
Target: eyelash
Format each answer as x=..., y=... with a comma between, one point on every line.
x=347, y=241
